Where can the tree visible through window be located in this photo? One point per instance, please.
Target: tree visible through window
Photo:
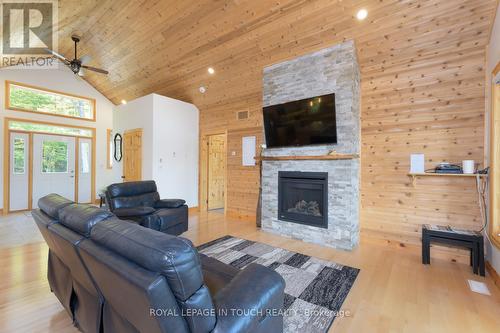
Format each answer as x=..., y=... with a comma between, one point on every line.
x=54, y=157
x=38, y=100
x=19, y=156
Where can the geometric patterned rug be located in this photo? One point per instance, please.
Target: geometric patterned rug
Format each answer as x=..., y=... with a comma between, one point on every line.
x=315, y=288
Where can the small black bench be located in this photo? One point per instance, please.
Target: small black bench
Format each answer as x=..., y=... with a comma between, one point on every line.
x=472, y=240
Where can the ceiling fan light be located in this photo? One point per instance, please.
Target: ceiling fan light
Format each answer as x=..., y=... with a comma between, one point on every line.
x=124, y=102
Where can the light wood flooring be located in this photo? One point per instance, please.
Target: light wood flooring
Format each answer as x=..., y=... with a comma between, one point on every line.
x=394, y=292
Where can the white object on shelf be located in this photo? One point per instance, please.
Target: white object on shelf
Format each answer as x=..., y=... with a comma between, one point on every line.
x=248, y=150
x=417, y=162
x=468, y=166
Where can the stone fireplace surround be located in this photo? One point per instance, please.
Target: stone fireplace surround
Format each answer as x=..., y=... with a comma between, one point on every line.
x=331, y=70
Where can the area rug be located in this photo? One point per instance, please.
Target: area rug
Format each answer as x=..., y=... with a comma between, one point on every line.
x=315, y=288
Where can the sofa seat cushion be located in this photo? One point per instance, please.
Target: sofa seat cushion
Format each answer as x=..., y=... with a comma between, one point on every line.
x=216, y=274
x=135, y=211
x=169, y=203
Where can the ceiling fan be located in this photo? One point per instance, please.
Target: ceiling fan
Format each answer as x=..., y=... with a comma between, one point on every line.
x=76, y=65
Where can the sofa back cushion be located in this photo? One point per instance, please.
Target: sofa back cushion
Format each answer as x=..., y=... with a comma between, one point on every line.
x=51, y=204
x=131, y=293
x=82, y=218
x=132, y=194
x=175, y=258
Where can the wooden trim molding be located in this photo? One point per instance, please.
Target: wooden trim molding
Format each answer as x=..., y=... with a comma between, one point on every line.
x=6, y=164
x=109, y=161
x=494, y=180
x=12, y=108
x=320, y=157
x=496, y=70
x=493, y=273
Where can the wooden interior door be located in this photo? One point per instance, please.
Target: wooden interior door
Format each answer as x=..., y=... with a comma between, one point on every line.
x=132, y=155
x=216, y=171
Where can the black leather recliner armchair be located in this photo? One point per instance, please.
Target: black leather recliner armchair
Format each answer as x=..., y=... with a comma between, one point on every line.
x=140, y=202
x=126, y=278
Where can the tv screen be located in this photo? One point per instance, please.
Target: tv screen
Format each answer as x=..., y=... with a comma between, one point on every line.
x=309, y=121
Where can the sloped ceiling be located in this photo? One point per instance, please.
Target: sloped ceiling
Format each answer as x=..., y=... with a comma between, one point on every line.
x=166, y=46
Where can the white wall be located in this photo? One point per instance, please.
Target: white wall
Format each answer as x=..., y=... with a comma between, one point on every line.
x=136, y=114
x=61, y=79
x=175, y=152
x=170, y=143
x=493, y=253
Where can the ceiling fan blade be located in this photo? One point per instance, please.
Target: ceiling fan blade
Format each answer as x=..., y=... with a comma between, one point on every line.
x=85, y=59
x=98, y=70
x=57, y=55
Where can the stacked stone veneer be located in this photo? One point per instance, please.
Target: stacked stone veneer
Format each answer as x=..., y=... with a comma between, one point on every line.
x=331, y=70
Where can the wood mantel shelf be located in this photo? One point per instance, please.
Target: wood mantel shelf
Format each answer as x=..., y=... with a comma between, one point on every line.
x=302, y=157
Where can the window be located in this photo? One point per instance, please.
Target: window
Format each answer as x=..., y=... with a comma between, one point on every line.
x=54, y=157
x=50, y=129
x=109, y=136
x=22, y=97
x=19, y=156
x=85, y=157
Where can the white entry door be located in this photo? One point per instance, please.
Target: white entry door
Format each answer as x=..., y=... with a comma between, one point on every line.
x=85, y=170
x=53, y=166
x=19, y=171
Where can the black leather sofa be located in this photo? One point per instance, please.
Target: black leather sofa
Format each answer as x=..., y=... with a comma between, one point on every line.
x=140, y=202
x=116, y=276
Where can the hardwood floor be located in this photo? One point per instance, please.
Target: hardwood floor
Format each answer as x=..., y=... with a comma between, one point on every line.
x=394, y=292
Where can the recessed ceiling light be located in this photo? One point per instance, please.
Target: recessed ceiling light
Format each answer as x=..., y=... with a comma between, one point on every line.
x=362, y=14
x=203, y=89
x=124, y=102
x=211, y=70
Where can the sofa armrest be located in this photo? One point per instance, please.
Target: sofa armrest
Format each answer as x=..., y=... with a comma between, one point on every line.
x=255, y=293
x=169, y=203
x=134, y=211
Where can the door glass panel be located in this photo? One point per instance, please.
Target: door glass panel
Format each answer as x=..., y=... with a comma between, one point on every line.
x=85, y=157
x=19, y=156
x=54, y=157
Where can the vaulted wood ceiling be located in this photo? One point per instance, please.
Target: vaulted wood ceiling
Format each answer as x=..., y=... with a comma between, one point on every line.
x=166, y=46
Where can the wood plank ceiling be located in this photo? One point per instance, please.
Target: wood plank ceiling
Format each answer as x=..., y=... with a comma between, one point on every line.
x=422, y=65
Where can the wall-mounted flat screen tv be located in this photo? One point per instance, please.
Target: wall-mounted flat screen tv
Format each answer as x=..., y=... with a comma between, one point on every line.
x=309, y=121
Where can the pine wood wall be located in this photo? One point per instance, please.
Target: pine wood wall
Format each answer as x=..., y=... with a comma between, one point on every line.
x=422, y=92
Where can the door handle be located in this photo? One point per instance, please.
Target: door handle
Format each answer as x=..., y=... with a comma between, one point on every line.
x=123, y=177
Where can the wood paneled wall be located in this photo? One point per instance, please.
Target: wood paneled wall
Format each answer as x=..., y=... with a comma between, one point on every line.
x=422, y=92
x=422, y=71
